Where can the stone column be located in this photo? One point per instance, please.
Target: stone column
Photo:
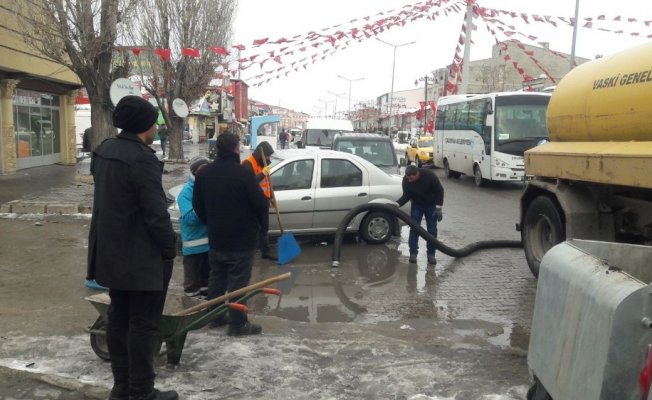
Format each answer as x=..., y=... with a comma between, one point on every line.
x=7, y=132
x=68, y=135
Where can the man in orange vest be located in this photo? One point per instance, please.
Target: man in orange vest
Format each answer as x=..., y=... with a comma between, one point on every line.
x=261, y=170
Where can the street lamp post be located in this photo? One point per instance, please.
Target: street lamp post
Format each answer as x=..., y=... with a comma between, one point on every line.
x=325, y=106
x=426, y=79
x=391, y=94
x=335, y=106
x=350, y=80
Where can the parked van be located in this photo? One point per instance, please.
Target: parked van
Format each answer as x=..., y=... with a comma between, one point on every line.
x=320, y=132
x=375, y=148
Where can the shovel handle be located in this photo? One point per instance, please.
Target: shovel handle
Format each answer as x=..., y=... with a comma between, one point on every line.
x=236, y=293
x=271, y=189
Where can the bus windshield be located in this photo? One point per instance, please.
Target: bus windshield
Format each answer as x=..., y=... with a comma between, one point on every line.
x=520, y=123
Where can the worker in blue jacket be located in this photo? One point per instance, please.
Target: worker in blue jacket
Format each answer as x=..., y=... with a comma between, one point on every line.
x=194, y=234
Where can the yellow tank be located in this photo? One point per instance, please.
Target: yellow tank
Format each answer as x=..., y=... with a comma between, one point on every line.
x=608, y=99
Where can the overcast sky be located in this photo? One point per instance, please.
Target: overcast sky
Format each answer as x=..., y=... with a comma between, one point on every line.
x=434, y=45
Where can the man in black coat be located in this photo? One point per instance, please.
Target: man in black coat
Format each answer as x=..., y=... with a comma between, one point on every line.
x=131, y=247
x=422, y=187
x=228, y=199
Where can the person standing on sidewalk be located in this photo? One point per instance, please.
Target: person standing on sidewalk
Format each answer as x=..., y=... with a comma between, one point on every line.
x=284, y=137
x=131, y=247
x=195, y=238
x=229, y=201
x=255, y=164
x=422, y=187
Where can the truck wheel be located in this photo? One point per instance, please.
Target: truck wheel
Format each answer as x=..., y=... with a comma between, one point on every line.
x=376, y=228
x=537, y=392
x=477, y=176
x=447, y=170
x=542, y=229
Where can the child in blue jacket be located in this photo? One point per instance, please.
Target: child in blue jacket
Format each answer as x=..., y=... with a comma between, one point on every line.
x=195, y=239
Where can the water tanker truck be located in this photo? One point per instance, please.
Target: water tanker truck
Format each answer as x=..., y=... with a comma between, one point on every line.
x=593, y=179
x=586, y=227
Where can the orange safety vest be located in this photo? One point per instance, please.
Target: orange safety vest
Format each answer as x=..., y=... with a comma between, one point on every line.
x=264, y=184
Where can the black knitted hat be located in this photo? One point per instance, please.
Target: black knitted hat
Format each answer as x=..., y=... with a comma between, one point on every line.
x=134, y=114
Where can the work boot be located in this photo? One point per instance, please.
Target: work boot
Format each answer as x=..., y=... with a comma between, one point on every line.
x=413, y=258
x=119, y=392
x=247, y=329
x=157, y=395
x=431, y=259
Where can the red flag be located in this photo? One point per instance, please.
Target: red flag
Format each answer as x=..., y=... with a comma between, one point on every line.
x=239, y=47
x=219, y=50
x=277, y=59
x=433, y=106
x=163, y=53
x=259, y=42
x=136, y=51
x=190, y=52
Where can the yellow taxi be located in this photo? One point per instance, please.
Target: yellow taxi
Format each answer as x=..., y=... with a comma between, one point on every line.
x=419, y=151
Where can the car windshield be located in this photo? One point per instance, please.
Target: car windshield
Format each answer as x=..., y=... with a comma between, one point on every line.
x=425, y=142
x=320, y=137
x=380, y=154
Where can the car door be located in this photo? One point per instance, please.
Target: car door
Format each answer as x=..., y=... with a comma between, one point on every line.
x=342, y=184
x=294, y=187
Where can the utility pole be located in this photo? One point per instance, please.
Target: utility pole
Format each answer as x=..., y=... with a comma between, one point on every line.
x=575, y=25
x=425, y=110
x=335, y=107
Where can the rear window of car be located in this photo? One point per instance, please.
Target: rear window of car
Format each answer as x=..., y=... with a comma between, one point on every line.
x=379, y=153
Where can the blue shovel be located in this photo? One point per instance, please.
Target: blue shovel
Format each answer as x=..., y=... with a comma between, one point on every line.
x=288, y=248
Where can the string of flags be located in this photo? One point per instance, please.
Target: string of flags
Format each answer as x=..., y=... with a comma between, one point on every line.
x=284, y=55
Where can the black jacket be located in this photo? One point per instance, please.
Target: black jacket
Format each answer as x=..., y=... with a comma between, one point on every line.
x=230, y=202
x=131, y=233
x=427, y=190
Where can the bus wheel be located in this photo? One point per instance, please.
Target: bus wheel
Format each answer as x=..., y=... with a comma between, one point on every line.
x=542, y=229
x=477, y=176
x=447, y=170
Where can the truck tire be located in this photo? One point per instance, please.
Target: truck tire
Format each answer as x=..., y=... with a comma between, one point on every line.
x=542, y=229
x=377, y=228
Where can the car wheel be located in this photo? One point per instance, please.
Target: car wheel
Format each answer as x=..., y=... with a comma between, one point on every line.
x=542, y=229
x=376, y=228
x=447, y=170
x=477, y=176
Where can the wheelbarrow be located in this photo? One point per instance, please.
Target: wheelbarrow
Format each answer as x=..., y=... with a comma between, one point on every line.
x=181, y=315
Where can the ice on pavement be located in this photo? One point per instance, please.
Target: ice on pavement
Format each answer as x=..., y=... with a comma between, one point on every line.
x=276, y=366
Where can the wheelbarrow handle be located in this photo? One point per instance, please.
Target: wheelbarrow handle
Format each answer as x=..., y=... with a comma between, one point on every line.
x=233, y=294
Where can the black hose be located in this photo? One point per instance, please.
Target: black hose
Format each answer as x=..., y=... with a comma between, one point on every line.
x=393, y=210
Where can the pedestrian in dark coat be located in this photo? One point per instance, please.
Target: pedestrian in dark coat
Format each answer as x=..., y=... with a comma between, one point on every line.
x=131, y=246
x=228, y=199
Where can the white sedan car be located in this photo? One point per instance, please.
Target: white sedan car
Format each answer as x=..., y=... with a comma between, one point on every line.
x=315, y=188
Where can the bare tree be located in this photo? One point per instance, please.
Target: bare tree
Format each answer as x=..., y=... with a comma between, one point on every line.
x=175, y=25
x=80, y=34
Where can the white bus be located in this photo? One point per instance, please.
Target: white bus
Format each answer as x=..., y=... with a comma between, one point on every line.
x=485, y=135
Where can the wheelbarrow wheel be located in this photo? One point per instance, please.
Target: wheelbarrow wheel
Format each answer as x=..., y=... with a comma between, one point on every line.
x=98, y=340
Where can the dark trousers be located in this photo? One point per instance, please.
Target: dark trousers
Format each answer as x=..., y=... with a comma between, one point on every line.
x=230, y=271
x=133, y=319
x=417, y=212
x=164, y=143
x=195, y=271
x=263, y=237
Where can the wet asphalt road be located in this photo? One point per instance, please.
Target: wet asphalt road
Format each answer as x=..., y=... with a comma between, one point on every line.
x=376, y=328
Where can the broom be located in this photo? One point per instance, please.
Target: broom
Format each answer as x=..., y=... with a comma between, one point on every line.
x=288, y=248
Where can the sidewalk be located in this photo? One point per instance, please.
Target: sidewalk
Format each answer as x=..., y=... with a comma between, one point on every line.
x=61, y=189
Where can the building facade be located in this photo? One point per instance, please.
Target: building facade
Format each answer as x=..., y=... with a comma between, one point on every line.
x=37, y=97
